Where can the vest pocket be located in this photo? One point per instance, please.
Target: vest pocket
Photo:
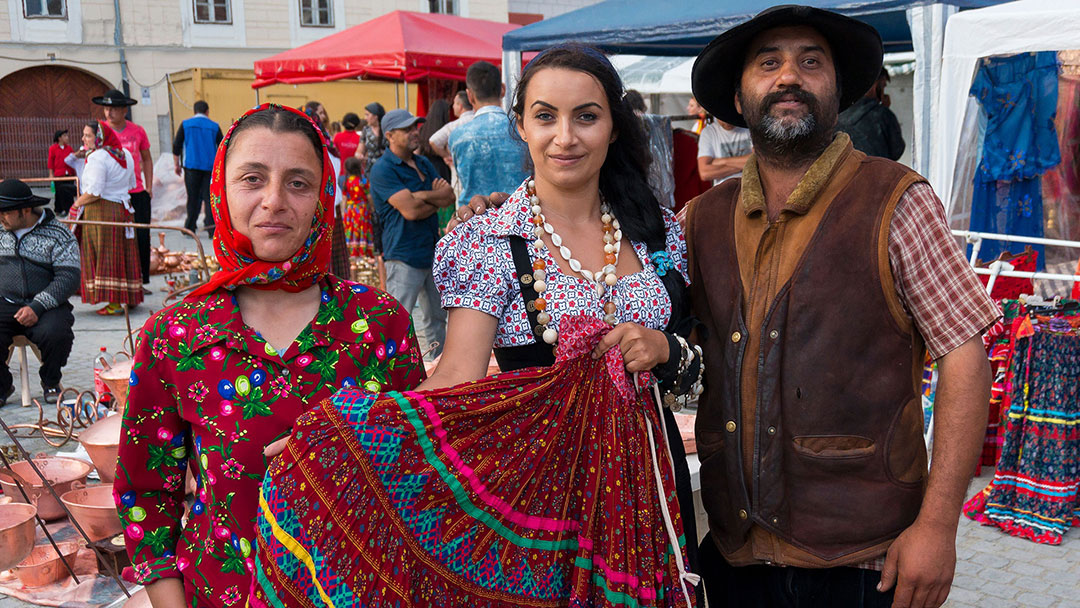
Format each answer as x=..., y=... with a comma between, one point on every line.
x=834, y=447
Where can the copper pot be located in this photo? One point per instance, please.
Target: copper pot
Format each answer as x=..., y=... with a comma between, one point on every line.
x=94, y=509
x=16, y=533
x=118, y=378
x=102, y=443
x=60, y=472
x=43, y=565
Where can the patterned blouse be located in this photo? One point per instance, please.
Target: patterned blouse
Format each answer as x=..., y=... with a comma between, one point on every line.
x=474, y=269
x=205, y=381
x=374, y=146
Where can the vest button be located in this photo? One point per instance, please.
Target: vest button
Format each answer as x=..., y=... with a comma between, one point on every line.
x=775, y=521
x=730, y=426
x=772, y=430
x=774, y=334
x=743, y=514
x=735, y=337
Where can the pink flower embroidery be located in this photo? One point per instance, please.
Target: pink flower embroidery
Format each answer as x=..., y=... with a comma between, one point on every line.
x=280, y=386
x=232, y=468
x=158, y=348
x=198, y=391
x=230, y=596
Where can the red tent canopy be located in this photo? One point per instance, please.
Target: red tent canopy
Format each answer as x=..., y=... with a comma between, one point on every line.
x=401, y=45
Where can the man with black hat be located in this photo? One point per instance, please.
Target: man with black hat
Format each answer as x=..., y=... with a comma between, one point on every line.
x=39, y=271
x=407, y=193
x=822, y=277
x=65, y=190
x=133, y=139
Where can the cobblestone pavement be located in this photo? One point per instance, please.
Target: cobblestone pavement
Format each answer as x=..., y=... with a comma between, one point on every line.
x=994, y=570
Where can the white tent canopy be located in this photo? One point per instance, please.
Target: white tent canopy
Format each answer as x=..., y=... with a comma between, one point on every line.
x=1016, y=27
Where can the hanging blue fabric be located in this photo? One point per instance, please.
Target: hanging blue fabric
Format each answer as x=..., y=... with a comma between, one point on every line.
x=1019, y=95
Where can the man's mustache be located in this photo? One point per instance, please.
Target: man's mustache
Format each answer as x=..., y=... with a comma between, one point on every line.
x=800, y=95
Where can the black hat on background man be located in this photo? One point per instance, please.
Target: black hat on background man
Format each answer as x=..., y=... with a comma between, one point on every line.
x=56, y=136
x=855, y=47
x=114, y=98
x=15, y=194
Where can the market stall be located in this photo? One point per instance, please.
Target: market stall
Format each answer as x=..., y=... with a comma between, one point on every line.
x=426, y=48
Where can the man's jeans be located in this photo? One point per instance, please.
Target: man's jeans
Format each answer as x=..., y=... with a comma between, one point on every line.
x=787, y=587
x=197, y=183
x=410, y=285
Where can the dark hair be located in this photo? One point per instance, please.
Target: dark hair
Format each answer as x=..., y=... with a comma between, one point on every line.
x=376, y=109
x=354, y=166
x=279, y=120
x=623, y=181
x=437, y=116
x=94, y=126
x=350, y=121
x=636, y=101
x=484, y=80
x=462, y=97
x=201, y=107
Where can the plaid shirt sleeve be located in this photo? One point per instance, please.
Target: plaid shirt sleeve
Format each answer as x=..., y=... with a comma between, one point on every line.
x=941, y=293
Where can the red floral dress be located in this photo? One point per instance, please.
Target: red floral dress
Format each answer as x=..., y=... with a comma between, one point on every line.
x=207, y=394
x=359, y=232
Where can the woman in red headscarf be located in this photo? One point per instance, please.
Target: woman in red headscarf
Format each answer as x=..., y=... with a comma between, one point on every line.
x=227, y=371
x=109, y=259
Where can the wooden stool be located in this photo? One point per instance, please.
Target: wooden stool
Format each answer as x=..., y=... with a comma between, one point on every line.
x=21, y=343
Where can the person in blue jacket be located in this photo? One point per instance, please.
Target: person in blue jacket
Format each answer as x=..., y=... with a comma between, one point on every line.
x=197, y=139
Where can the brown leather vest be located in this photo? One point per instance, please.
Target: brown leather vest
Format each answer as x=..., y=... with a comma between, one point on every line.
x=838, y=458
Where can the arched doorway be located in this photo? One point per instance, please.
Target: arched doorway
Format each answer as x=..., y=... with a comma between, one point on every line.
x=34, y=103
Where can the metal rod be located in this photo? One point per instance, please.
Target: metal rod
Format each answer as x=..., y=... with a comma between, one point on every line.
x=41, y=522
x=972, y=237
x=74, y=522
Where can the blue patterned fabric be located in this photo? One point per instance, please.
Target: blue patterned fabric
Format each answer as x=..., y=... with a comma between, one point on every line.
x=1019, y=95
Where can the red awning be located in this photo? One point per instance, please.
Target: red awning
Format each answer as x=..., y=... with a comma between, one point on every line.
x=401, y=45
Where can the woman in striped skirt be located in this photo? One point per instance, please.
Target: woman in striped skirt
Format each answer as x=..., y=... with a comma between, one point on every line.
x=110, y=261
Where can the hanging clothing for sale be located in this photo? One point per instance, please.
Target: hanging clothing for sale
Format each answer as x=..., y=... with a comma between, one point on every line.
x=1019, y=94
x=548, y=486
x=1034, y=493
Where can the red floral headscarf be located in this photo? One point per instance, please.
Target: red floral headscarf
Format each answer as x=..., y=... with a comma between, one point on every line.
x=107, y=140
x=239, y=265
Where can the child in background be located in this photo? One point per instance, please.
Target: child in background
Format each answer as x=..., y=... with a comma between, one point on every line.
x=359, y=233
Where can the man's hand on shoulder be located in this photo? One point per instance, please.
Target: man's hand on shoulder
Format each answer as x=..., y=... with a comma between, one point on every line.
x=478, y=205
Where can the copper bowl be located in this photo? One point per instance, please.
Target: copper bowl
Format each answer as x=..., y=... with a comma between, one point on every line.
x=102, y=443
x=43, y=565
x=16, y=532
x=94, y=509
x=60, y=471
x=117, y=378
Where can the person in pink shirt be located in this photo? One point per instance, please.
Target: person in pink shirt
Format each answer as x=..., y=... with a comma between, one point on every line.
x=133, y=139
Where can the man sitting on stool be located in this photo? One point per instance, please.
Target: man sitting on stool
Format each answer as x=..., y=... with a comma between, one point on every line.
x=39, y=272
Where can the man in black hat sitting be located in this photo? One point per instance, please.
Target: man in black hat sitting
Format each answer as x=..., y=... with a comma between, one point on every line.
x=39, y=271
x=823, y=276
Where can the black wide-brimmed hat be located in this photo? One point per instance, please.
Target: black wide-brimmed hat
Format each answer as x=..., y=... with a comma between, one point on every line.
x=15, y=194
x=856, y=52
x=115, y=98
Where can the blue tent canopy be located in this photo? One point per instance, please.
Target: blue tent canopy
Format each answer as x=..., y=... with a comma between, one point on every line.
x=684, y=27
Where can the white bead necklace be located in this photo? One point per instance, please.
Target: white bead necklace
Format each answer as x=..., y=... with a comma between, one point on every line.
x=602, y=280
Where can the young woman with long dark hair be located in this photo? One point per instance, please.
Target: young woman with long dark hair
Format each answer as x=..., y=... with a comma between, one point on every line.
x=549, y=484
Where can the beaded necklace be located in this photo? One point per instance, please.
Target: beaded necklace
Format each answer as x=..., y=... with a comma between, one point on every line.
x=603, y=279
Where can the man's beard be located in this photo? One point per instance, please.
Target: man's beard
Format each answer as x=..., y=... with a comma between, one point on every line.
x=781, y=141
